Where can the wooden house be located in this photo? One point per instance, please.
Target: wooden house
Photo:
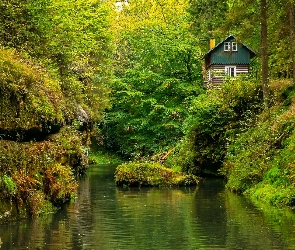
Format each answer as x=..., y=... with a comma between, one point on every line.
x=229, y=58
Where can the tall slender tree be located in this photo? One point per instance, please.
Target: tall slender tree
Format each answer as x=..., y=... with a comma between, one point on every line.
x=264, y=51
x=292, y=35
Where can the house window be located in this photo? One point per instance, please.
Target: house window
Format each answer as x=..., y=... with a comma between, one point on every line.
x=230, y=71
x=227, y=46
x=234, y=46
x=230, y=46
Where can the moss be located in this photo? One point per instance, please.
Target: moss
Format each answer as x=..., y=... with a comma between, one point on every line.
x=151, y=174
x=42, y=149
x=30, y=99
x=272, y=194
x=260, y=162
x=38, y=177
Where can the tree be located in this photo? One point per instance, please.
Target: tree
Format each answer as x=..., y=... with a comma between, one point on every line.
x=207, y=17
x=77, y=43
x=292, y=35
x=157, y=73
x=236, y=22
x=264, y=52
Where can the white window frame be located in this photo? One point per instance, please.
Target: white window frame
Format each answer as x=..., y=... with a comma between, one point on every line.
x=230, y=46
x=234, y=46
x=230, y=71
x=227, y=46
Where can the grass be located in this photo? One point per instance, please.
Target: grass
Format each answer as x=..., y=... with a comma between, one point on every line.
x=99, y=155
x=151, y=174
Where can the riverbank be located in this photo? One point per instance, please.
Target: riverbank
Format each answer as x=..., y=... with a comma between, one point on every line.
x=105, y=216
x=98, y=155
x=44, y=139
x=260, y=163
x=38, y=177
x=231, y=131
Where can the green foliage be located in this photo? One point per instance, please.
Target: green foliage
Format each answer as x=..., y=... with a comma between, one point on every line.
x=157, y=74
x=207, y=17
x=15, y=21
x=99, y=155
x=274, y=189
x=155, y=35
x=54, y=70
x=151, y=174
x=39, y=176
x=76, y=55
x=8, y=186
x=260, y=162
x=29, y=98
x=59, y=183
x=79, y=53
x=288, y=94
x=243, y=18
x=215, y=119
x=147, y=113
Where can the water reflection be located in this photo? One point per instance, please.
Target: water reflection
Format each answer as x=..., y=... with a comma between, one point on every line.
x=106, y=217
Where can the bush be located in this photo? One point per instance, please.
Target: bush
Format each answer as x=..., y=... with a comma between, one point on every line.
x=40, y=175
x=151, y=174
x=214, y=121
x=260, y=163
x=31, y=102
x=8, y=186
x=147, y=113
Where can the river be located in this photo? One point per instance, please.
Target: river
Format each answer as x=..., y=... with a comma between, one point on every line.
x=105, y=217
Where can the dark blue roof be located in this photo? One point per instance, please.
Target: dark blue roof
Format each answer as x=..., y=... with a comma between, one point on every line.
x=230, y=37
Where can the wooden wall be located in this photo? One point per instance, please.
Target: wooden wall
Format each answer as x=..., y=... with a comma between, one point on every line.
x=216, y=73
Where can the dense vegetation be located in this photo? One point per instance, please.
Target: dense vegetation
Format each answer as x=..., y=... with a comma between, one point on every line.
x=260, y=162
x=53, y=89
x=232, y=131
x=132, y=77
x=157, y=73
x=151, y=174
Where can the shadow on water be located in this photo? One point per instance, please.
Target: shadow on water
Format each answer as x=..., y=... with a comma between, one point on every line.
x=108, y=217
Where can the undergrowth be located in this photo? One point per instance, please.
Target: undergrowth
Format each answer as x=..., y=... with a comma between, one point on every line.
x=260, y=163
x=151, y=174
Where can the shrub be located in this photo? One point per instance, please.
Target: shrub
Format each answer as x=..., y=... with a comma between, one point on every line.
x=59, y=184
x=151, y=174
x=31, y=101
x=261, y=162
x=214, y=121
x=8, y=186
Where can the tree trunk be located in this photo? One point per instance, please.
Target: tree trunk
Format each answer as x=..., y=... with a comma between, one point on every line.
x=264, y=49
x=292, y=36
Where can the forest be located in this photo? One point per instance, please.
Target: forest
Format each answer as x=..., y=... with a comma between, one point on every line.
x=128, y=76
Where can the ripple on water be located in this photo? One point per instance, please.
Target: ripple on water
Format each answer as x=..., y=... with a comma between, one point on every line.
x=107, y=217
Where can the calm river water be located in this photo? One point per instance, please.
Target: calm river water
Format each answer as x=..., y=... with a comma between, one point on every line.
x=105, y=217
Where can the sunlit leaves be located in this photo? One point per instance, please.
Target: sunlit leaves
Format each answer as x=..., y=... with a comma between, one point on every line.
x=147, y=113
x=157, y=71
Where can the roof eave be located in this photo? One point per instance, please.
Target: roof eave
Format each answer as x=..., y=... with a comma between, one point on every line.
x=207, y=54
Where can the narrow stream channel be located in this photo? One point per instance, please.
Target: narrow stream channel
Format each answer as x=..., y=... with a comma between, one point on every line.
x=105, y=217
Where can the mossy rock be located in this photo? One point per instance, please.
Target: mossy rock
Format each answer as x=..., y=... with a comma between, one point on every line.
x=151, y=174
x=31, y=102
x=40, y=176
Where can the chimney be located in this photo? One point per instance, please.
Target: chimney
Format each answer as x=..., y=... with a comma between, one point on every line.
x=212, y=43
